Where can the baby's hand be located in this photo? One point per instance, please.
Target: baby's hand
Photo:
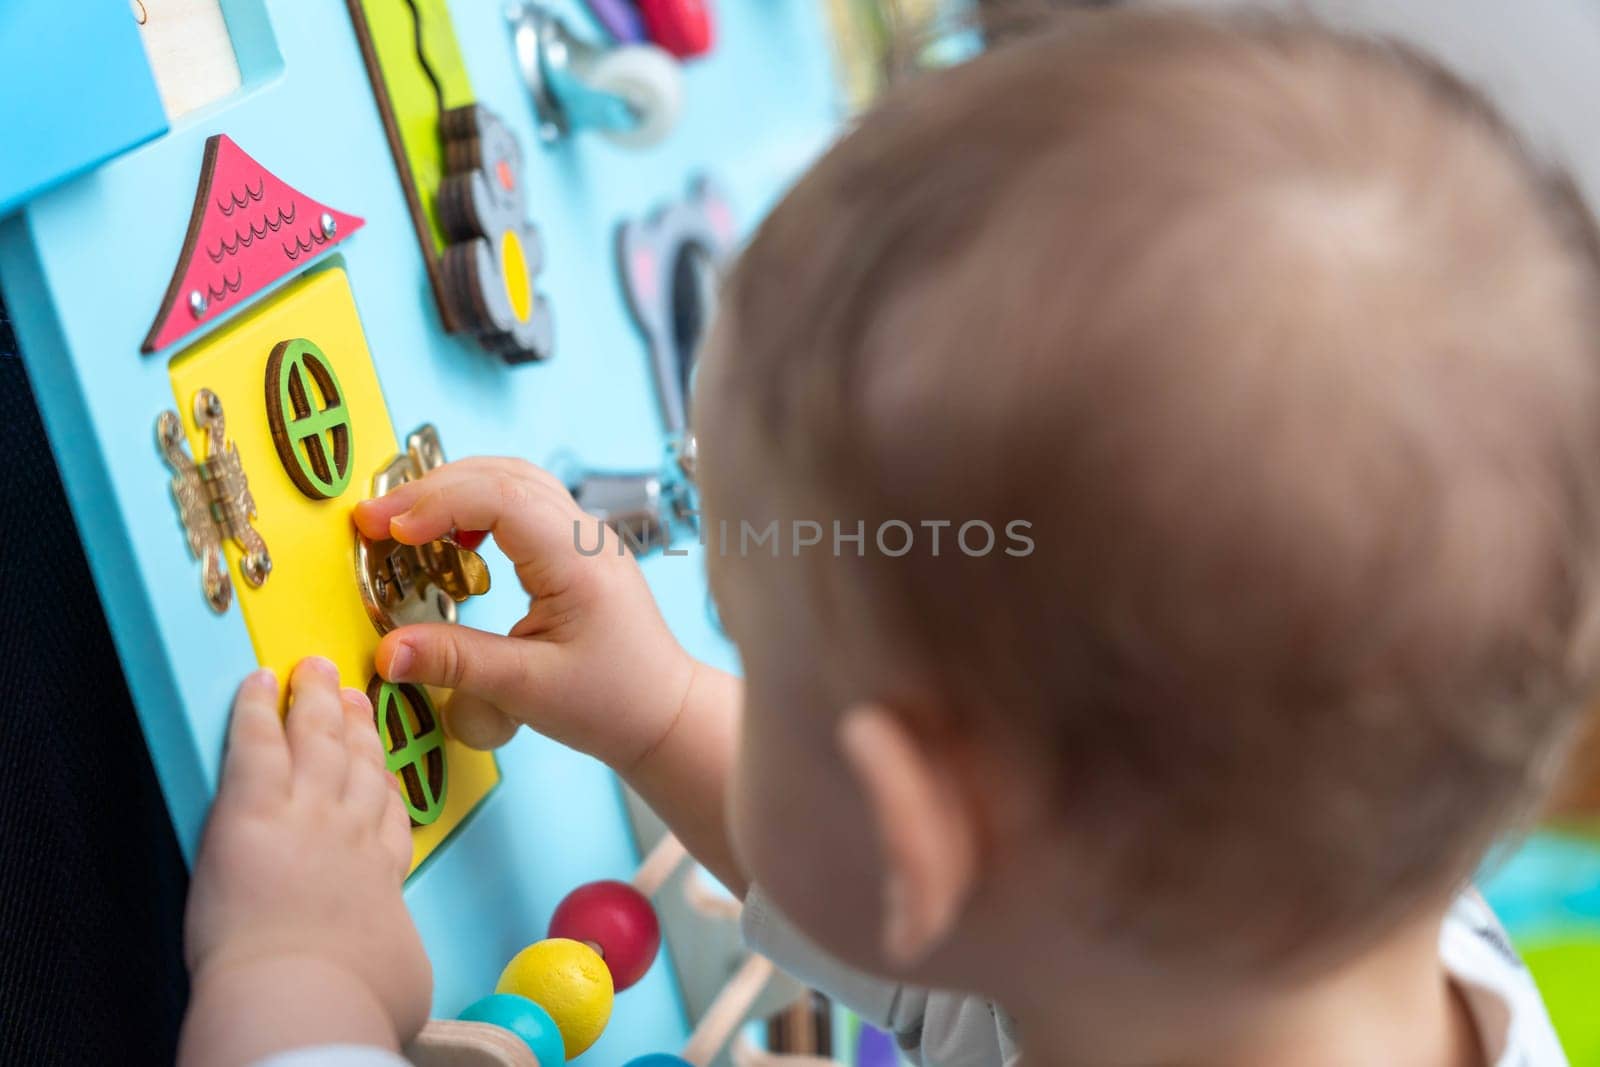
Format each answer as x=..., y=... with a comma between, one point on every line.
x=591, y=665
x=296, y=932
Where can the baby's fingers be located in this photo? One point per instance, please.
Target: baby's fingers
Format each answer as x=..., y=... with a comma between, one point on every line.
x=255, y=766
x=360, y=728
x=504, y=671
x=395, y=832
x=367, y=780
x=477, y=723
x=315, y=729
x=498, y=475
x=372, y=516
x=472, y=494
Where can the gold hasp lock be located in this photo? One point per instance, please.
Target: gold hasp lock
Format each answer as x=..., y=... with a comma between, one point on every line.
x=213, y=499
x=406, y=584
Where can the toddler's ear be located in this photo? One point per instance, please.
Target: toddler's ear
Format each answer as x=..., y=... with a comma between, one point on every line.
x=926, y=828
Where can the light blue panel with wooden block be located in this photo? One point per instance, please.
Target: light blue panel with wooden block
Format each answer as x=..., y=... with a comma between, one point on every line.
x=86, y=266
x=78, y=92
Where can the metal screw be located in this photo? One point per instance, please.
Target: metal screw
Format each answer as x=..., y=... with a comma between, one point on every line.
x=197, y=303
x=257, y=566
x=329, y=225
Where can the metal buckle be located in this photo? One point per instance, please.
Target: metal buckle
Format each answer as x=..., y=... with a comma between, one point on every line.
x=406, y=584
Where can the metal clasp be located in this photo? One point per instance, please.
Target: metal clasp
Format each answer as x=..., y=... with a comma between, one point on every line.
x=213, y=499
x=406, y=584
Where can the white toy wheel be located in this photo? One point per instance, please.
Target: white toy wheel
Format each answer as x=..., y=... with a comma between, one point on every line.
x=651, y=81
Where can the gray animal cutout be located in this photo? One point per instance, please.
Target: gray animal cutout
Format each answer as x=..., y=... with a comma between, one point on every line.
x=670, y=264
x=495, y=255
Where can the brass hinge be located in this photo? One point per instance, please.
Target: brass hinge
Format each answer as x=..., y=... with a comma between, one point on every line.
x=213, y=499
x=405, y=584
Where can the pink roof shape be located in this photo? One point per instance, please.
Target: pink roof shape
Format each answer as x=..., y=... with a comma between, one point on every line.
x=249, y=228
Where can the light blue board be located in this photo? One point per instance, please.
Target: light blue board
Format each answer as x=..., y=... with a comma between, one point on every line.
x=79, y=92
x=83, y=270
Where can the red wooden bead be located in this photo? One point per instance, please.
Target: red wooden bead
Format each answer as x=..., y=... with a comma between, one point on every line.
x=682, y=27
x=470, y=539
x=618, y=920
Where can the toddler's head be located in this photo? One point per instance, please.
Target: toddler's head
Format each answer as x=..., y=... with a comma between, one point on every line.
x=1289, y=358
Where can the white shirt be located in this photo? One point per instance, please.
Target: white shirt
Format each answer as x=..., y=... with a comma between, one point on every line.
x=952, y=1030
x=1497, y=988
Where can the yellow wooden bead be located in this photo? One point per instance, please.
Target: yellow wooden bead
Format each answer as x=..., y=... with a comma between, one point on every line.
x=569, y=980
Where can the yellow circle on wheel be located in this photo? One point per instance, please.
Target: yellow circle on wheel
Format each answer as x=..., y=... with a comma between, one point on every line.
x=569, y=980
x=514, y=272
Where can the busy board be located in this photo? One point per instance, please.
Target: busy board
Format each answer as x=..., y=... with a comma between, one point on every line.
x=266, y=257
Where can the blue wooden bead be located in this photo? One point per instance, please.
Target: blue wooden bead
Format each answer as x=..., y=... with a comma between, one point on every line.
x=525, y=1019
x=659, y=1059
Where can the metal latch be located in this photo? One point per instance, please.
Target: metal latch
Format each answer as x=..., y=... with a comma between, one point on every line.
x=406, y=584
x=650, y=510
x=213, y=499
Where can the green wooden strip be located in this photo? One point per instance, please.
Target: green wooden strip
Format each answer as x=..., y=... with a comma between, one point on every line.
x=394, y=36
